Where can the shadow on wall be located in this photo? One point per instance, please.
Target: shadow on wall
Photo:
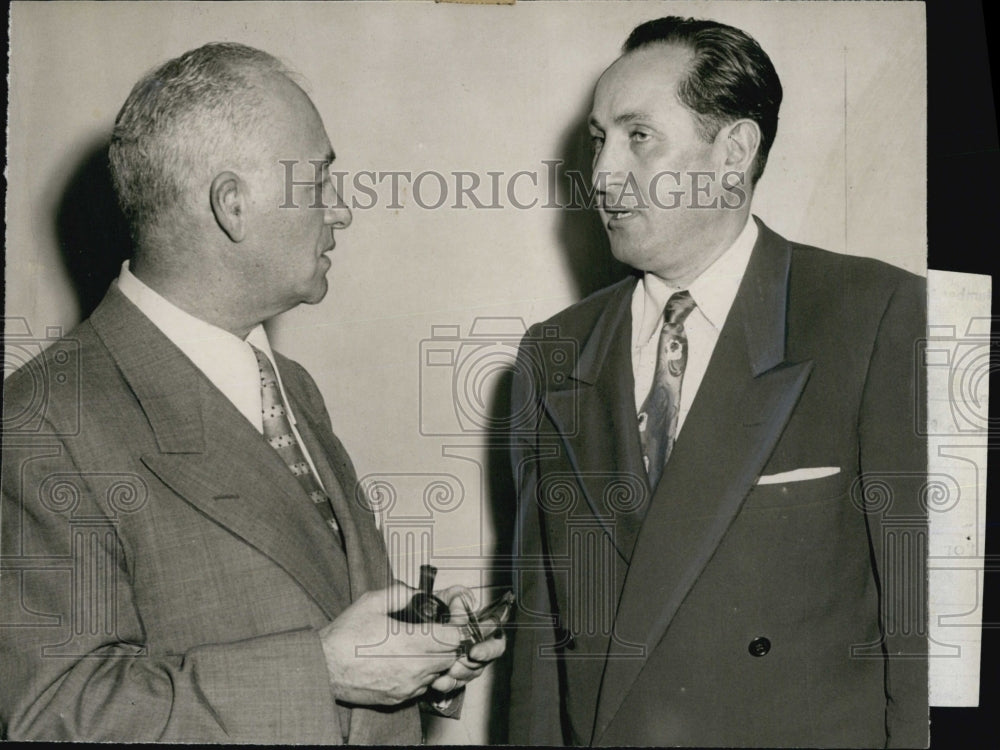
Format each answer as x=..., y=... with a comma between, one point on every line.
x=582, y=239
x=92, y=233
x=503, y=511
x=591, y=266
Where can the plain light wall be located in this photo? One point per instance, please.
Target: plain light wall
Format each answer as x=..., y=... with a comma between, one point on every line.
x=420, y=86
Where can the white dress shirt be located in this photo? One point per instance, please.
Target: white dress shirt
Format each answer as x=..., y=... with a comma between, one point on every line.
x=713, y=293
x=226, y=360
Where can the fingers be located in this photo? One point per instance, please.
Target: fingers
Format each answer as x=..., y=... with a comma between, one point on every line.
x=467, y=668
x=464, y=672
x=395, y=597
x=445, y=684
x=453, y=596
x=488, y=626
x=488, y=650
x=383, y=601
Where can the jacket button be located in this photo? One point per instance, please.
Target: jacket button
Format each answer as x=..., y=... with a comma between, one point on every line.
x=759, y=646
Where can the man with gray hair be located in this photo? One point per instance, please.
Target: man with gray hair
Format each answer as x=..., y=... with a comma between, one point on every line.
x=224, y=579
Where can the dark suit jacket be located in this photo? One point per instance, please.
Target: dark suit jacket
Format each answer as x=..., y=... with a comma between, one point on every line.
x=164, y=575
x=721, y=610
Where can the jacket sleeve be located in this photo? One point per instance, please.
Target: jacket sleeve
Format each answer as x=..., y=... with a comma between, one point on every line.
x=73, y=665
x=535, y=702
x=893, y=458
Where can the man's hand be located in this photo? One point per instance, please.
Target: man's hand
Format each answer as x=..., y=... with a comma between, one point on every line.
x=376, y=660
x=470, y=666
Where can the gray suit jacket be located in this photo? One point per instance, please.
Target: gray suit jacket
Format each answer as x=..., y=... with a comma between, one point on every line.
x=164, y=575
x=721, y=610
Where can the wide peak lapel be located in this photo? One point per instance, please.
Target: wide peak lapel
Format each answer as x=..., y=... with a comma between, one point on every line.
x=744, y=401
x=612, y=324
x=162, y=378
x=211, y=456
x=367, y=559
x=242, y=484
x=762, y=300
x=594, y=413
x=355, y=517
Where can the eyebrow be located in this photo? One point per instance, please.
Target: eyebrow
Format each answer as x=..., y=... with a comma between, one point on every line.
x=623, y=119
x=329, y=158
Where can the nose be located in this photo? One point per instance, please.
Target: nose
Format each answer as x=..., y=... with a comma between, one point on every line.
x=338, y=215
x=608, y=171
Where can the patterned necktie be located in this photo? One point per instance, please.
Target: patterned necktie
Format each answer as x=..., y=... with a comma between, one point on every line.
x=279, y=435
x=658, y=416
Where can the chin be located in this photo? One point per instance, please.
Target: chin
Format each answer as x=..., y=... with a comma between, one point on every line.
x=317, y=298
x=316, y=293
x=630, y=256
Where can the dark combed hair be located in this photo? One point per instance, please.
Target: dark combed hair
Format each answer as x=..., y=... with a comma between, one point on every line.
x=730, y=77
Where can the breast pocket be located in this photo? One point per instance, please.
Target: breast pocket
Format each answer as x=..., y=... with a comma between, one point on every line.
x=798, y=488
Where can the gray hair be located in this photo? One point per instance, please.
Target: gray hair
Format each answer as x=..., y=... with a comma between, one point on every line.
x=186, y=114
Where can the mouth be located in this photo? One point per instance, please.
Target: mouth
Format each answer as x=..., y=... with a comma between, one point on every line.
x=619, y=215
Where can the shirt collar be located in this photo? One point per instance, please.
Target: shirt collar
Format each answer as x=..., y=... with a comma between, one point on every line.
x=714, y=291
x=225, y=359
x=180, y=326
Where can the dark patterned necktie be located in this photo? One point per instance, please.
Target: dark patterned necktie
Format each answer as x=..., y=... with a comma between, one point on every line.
x=658, y=416
x=279, y=435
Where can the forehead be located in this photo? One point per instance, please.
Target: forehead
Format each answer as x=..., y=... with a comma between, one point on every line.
x=644, y=80
x=293, y=123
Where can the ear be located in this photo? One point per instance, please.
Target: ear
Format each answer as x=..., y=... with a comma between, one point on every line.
x=741, y=142
x=228, y=195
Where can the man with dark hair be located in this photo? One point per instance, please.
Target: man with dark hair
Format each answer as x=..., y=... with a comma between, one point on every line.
x=730, y=77
x=721, y=536
x=187, y=555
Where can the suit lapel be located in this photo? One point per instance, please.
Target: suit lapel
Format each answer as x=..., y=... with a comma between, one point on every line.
x=739, y=413
x=213, y=458
x=599, y=400
x=367, y=558
x=361, y=538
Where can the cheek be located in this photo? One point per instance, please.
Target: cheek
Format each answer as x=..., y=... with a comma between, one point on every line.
x=312, y=222
x=301, y=226
x=653, y=161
